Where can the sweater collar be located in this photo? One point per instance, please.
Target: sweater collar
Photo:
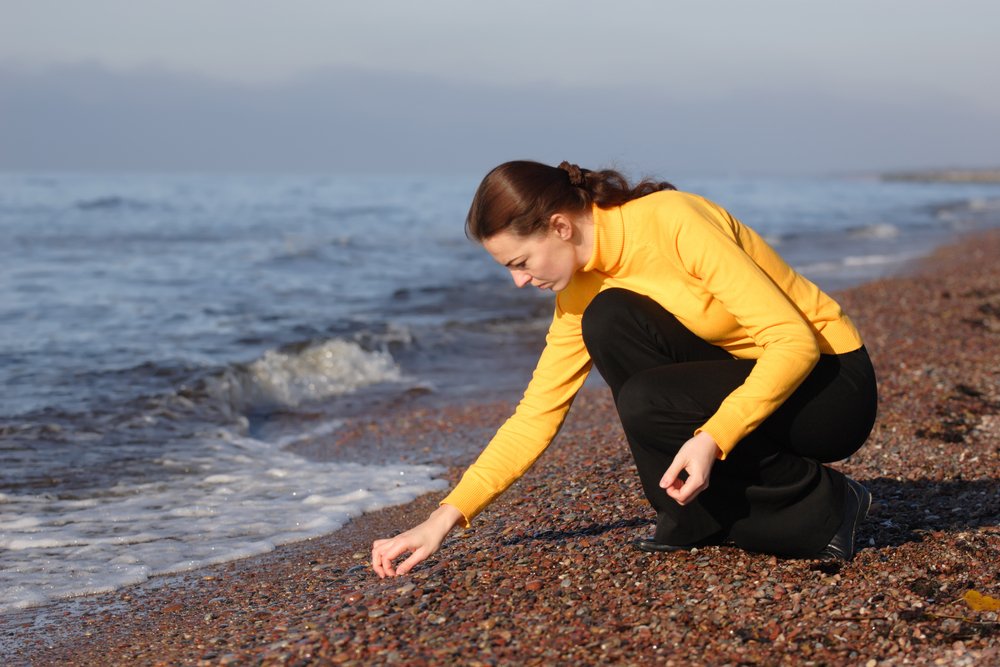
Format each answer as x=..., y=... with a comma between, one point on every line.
x=609, y=240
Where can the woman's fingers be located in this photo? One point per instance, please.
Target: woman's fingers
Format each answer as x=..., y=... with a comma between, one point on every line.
x=377, y=563
x=408, y=564
x=688, y=490
x=384, y=552
x=678, y=489
x=669, y=478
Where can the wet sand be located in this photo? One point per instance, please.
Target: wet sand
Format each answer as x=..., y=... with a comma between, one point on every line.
x=546, y=575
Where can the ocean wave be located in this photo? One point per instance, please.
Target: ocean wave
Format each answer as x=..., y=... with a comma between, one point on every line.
x=855, y=262
x=289, y=378
x=179, y=397
x=876, y=260
x=112, y=202
x=988, y=207
x=983, y=204
x=324, y=429
x=376, y=212
x=878, y=230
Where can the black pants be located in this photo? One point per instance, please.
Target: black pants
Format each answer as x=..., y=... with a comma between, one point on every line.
x=771, y=494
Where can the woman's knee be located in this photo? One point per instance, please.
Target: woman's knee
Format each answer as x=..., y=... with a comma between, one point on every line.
x=830, y=416
x=634, y=408
x=605, y=314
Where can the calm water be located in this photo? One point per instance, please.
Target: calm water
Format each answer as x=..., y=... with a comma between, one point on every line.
x=167, y=342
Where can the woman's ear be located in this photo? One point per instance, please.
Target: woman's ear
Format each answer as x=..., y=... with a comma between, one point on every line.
x=561, y=225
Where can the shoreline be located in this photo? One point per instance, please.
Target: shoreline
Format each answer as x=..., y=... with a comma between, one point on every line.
x=546, y=575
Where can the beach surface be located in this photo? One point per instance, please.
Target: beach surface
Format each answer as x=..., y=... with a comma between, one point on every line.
x=546, y=575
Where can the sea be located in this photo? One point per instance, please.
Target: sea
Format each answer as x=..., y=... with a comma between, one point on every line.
x=173, y=347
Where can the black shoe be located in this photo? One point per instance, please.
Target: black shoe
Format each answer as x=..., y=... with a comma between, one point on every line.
x=857, y=500
x=650, y=545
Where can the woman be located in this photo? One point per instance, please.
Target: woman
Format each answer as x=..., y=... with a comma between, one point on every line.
x=725, y=366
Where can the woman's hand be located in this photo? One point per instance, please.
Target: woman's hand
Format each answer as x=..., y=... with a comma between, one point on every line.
x=420, y=542
x=695, y=456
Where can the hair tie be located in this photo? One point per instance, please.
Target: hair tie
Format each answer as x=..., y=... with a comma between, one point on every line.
x=577, y=176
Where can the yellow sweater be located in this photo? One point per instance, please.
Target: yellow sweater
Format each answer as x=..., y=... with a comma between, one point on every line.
x=719, y=278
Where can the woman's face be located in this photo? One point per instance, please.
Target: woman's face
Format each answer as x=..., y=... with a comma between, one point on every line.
x=546, y=260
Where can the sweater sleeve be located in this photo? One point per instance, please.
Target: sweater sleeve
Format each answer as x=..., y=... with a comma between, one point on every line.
x=708, y=244
x=561, y=370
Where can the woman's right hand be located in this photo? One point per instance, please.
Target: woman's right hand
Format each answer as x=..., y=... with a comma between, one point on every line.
x=420, y=542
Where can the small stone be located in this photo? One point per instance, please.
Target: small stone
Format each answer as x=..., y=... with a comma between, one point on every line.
x=534, y=585
x=355, y=597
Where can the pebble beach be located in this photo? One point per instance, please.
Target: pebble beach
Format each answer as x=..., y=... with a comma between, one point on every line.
x=546, y=574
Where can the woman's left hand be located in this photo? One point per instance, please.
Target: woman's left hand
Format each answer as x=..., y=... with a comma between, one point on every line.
x=696, y=457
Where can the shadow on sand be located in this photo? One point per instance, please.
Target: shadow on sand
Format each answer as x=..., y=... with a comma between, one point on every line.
x=907, y=510
x=902, y=511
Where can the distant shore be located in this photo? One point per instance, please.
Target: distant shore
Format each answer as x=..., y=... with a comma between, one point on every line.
x=546, y=576
x=944, y=176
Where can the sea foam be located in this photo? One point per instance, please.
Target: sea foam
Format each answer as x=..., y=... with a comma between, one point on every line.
x=243, y=497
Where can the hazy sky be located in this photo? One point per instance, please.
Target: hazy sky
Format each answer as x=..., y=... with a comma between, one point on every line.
x=737, y=85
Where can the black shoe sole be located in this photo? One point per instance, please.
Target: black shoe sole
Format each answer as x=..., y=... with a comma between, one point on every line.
x=651, y=546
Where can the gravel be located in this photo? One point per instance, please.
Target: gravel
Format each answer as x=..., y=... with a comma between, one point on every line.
x=546, y=575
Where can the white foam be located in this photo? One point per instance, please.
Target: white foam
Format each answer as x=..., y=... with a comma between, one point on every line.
x=326, y=428
x=291, y=378
x=220, y=479
x=874, y=260
x=983, y=204
x=855, y=262
x=242, y=497
x=16, y=544
x=880, y=230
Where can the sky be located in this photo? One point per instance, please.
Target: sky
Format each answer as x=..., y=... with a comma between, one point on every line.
x=782, y=86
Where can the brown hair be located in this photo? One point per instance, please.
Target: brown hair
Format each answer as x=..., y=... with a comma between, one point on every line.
x=522, y=196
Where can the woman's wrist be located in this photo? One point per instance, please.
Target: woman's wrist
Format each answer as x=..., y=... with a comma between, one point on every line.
x=446, y=517
x=707, y=441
